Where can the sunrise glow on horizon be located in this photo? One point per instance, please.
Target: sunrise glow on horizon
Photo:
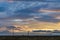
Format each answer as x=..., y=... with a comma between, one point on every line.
x=23, y=16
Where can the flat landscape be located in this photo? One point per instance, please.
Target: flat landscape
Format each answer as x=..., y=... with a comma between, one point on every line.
x=29, y=37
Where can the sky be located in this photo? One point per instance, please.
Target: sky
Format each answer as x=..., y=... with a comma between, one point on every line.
x=23, y=16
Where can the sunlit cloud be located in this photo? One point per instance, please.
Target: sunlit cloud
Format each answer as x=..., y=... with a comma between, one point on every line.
x=57, y=17
x=16, y=20
x=49, y=10
x=3, y=29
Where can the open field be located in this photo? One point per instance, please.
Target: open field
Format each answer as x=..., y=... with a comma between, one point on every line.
x=29, y=38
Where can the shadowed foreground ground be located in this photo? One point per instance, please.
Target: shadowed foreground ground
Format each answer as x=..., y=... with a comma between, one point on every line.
x=29, y=38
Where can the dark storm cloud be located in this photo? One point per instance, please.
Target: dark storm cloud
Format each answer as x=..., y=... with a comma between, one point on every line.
x=47, y=19
x=39, y=0
x=26, y=13
x=24, y=10
x=2, y=9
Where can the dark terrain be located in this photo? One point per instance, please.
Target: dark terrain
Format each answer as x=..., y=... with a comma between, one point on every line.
x=29, y=37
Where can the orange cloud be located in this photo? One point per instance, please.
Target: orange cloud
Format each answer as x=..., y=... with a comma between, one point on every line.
x=3, y=29
x=36, y=26
x=49, y=11
x=10, y=1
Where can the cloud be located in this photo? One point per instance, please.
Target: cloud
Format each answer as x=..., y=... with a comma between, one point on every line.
x=49, y=10
x=3, y=29
x=58, y=17
x=53, y=0
x=20, y=17
x=40, y=11
x=9, y=29
x=25, y=8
